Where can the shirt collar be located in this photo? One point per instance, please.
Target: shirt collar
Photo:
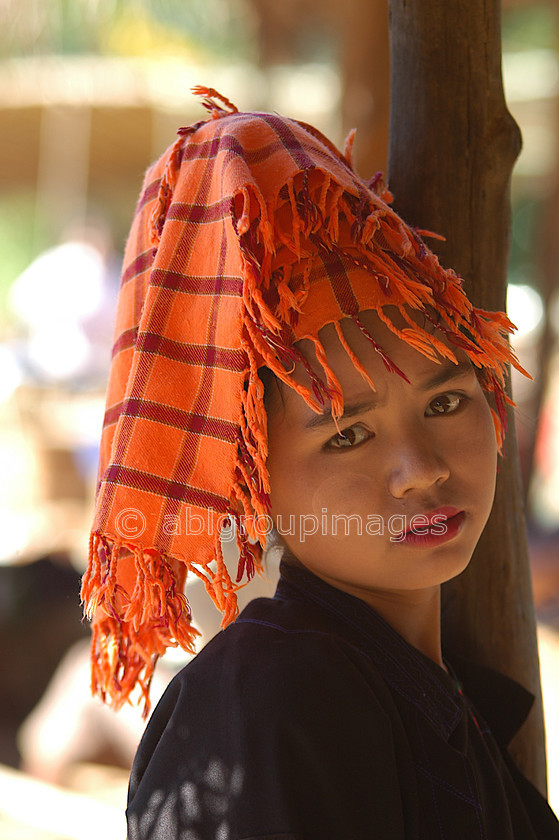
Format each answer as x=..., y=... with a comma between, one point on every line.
x=503, y=703
x=409, y=672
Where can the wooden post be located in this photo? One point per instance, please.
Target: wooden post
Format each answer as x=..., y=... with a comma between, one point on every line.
x=452, y=147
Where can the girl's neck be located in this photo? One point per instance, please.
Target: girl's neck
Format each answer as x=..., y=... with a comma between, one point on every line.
x=414, y=615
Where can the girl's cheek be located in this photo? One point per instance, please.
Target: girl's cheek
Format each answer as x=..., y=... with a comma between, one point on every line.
x=342, y=495
x=474, y=437
x=482, y=439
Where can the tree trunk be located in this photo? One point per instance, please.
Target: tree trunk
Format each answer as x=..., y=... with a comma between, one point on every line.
x=451, y=151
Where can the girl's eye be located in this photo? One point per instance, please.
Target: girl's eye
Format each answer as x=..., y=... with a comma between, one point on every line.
x=445, y=404
x=348, y=438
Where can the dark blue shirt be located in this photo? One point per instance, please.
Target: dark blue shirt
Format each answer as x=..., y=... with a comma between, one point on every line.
x=311, y=717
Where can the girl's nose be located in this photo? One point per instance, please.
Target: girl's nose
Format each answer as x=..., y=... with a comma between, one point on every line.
x=416, y=464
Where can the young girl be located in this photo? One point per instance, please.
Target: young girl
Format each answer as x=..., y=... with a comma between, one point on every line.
x=290, y=354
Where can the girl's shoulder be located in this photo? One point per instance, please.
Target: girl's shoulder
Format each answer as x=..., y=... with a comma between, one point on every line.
x=276, y=639
x=278, y=648
x=278, y=720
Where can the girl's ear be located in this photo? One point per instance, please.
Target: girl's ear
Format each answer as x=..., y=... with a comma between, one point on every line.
x=275, y=548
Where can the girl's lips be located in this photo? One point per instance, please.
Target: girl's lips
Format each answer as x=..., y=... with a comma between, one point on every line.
x=438, y=516
x=432, y=529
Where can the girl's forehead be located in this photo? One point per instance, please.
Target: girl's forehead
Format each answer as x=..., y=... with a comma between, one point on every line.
x=411, y=369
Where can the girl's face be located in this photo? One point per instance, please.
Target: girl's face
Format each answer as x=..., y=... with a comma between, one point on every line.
x=399, y=500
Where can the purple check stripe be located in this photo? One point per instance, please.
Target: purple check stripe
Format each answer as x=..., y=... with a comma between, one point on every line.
x=151, y=191
x=112, y=414
x=118, y=474
x=139, y=265
x=208, y=149
x=191, y=354
x=337, y=273
x=200, y=213
x=125, y=340
x=178, y=282
x=289, y=141
x=186, y=420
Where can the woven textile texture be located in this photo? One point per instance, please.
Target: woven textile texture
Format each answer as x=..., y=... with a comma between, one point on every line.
x=251, y=232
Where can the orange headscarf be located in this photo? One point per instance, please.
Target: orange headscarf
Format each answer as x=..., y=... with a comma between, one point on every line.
x=246, y=238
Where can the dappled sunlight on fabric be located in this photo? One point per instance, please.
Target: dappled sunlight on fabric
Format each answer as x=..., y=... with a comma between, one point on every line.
x=206, y=804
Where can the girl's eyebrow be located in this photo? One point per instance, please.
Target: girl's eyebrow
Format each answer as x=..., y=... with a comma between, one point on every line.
x=317, y=421
x=447, y=372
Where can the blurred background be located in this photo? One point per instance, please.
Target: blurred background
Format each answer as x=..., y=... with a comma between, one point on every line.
x=91, y=91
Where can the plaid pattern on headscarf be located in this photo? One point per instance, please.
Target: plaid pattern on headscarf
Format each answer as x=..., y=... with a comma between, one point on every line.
x=252, y=231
